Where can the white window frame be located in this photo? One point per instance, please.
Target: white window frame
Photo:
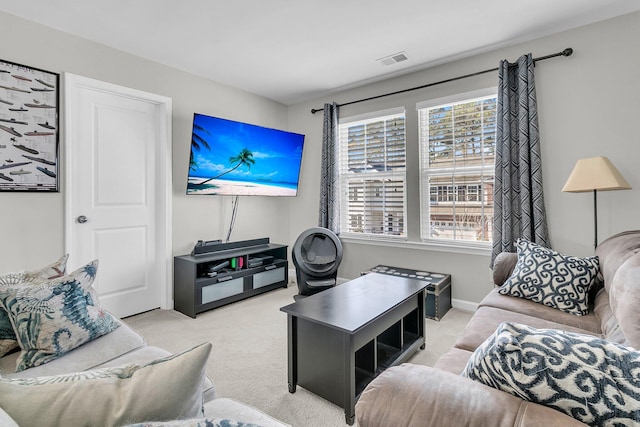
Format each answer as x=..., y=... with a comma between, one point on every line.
x=425, y=173
x=344, y=177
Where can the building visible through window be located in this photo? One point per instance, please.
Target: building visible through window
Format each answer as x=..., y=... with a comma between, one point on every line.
x=457, y=145
x=372, y=174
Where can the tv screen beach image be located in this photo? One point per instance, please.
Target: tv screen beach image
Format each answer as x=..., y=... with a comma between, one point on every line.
x=234, y=158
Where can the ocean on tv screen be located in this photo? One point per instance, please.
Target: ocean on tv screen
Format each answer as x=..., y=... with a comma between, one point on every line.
x=234, y=158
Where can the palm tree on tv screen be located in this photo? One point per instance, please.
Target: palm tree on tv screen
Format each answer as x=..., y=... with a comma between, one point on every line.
x=245, y=157
x=196, y=143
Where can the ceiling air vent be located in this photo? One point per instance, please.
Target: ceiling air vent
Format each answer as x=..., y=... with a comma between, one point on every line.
x=393, y=59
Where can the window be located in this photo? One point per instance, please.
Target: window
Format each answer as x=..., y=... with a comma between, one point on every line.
x=372, y=174
x=457, y=152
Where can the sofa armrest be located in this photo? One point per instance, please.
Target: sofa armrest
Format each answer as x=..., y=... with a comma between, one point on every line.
x=503, y=267
x=415, y=395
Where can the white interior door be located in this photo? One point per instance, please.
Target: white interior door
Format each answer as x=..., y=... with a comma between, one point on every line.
x=118, y=192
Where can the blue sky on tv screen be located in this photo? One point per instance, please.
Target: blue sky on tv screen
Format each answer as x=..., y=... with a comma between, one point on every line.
x=277, y=153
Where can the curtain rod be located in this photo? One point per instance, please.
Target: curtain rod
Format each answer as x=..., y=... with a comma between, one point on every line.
x=567, y=52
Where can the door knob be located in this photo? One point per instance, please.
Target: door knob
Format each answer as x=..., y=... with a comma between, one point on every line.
x=82, y=219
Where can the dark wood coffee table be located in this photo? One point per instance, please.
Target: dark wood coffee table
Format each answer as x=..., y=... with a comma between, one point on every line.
x=341, y=339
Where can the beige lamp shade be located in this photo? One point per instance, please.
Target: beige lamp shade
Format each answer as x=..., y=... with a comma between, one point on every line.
x=595, y=173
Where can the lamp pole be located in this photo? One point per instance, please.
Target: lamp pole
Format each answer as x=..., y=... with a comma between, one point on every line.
x=595, y=218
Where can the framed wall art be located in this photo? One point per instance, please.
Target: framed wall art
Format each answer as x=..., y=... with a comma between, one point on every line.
x=29, y=121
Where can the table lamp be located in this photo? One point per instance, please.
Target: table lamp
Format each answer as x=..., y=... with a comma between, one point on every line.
x=593, y=174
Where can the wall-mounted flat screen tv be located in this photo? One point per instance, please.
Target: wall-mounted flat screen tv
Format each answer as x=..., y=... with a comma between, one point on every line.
x=230, y=158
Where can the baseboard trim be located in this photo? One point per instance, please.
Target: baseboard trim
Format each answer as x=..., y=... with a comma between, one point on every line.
x=464, y=305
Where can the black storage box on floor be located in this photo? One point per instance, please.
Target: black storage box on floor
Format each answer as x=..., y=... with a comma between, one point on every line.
x=438, y=299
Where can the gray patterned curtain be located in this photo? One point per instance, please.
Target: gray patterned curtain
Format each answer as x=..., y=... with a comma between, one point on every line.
x=518, y=199
x=329, y=216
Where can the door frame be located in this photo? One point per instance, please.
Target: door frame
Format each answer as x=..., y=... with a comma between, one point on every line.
x=162, y=161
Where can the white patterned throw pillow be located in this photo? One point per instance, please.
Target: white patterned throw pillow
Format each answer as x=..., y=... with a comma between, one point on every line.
x=56, y=269
x=165, y=389
x=52, y=318
x=590, y=379
x=551, y=278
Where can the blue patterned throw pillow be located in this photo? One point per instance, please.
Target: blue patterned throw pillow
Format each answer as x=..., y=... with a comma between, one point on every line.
x=590, y=379
x=52, y=318
x=551, y=278
x=56, y=269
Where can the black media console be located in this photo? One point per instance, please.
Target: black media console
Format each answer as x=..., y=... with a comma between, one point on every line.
x=223, y=273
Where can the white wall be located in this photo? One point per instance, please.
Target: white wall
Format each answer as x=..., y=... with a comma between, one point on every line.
x=588, y=106
x=31, y=225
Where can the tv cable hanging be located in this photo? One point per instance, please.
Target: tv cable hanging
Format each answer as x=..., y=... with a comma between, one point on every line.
x=566, y=52
x=234, y=212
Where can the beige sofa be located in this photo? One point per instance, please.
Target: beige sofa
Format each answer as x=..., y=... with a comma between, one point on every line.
x=415, y=395
x=120, y=347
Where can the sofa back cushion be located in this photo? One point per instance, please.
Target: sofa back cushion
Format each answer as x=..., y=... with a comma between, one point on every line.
x=620, y=268
x=503, y=266
x=610, y=328
x=614, y=251
x=624, y=294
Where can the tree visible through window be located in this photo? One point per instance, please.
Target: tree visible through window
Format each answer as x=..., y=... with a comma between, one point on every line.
x=372, y=175
x=457, y=145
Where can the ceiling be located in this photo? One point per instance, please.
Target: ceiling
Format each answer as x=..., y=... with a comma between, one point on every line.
x=296, y=50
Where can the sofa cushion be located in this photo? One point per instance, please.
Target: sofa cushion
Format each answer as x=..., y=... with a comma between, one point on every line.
x=624, y=294
x=94, y=354
x=586, y=377
x=614, y=251
x=608, y=323
x=503, y=266
x=588, y=322
x=56, y=269
x=551, y=278
x=417, y=396
x=454, y=360
x=165, y=389
x=486, y=320
x=139, y=356
x=196, y=422
x=52, y=318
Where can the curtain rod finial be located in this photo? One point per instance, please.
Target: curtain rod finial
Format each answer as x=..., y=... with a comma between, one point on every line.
x=315, y=110
x=567, y=52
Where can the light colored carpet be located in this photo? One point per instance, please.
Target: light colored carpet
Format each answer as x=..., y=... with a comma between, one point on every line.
x=249, y=357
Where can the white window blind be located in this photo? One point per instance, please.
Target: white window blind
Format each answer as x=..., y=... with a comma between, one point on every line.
x=457, y=152
x=372, y=175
